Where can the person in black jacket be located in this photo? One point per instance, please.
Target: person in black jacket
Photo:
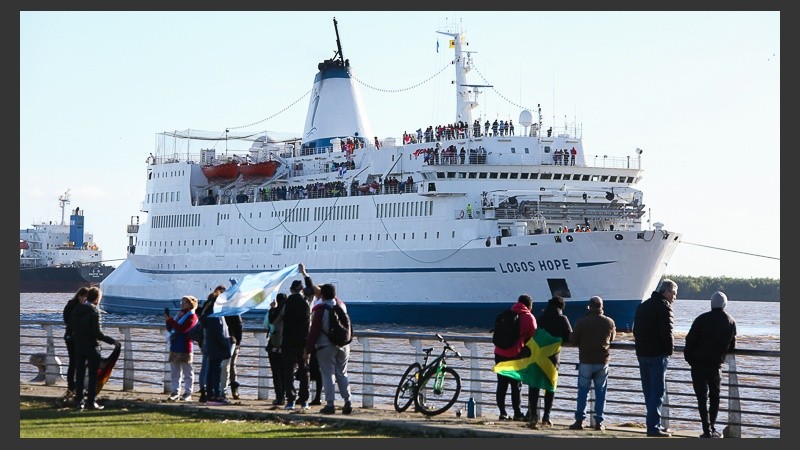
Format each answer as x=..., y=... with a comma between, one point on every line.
x=296, y=322
x=711, y=337
x=557, y=324
x=652, y=332
x=69, y=341
x=234, y=323
x=85, y=327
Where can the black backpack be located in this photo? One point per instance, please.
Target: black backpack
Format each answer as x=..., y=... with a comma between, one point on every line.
x=196, y=333
x=505, y=333
x=340, y=330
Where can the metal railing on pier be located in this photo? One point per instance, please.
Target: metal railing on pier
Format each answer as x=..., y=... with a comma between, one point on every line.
x=750, y=397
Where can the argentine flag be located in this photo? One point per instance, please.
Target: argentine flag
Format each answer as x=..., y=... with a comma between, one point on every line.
x=255, y=291
x=342, y=171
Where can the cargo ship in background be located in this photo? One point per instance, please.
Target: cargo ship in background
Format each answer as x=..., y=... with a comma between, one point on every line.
x=445, y=227
x=60, y=257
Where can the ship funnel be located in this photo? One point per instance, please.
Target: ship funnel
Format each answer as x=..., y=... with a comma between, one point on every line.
x=336, y=108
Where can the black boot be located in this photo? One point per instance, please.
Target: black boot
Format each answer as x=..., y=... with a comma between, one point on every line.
x=203, y=398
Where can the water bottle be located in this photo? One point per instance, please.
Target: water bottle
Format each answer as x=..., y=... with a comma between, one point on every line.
x=471, y=408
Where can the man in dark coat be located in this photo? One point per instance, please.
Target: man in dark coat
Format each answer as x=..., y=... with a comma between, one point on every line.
x=710, y=339
x=85, y=327
x=652, y=332
x=296, y=322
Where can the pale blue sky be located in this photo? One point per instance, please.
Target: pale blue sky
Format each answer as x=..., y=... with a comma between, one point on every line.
x=699, y=92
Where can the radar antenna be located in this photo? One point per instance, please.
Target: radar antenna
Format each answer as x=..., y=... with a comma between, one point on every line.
x=338, y=42
x=63, y=200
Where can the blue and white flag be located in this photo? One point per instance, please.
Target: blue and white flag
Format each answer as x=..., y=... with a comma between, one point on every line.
x=255, y=291
x=342, y=171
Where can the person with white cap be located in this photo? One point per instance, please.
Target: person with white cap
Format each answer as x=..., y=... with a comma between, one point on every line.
x=592, y=335
x=711, y=337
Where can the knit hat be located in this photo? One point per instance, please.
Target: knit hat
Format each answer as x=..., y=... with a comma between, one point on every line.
x=596, y=302
x=718, y=300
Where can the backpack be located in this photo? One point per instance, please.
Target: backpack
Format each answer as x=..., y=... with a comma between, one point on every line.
x=505, y=333
x=340, y=330
x=196, y=333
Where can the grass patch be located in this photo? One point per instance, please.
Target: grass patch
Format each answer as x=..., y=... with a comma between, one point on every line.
x=41, y=419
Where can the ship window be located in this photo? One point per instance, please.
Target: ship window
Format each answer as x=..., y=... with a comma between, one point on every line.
x=437, y=235
x=425, y=236
x=547, y=149
x=513, y=150
x=504, y=175
x=440, y=175
x=604, y=178
x=585, y=178
x=527, y=150
x=523, y=176
x=594, y=177
x=412, y=235
x=462, y=175
x=493, y=175
x=547, y=176
x=482, y=175
x=451, y=174
x=612, y=179
x=534, y=176
x=556, y=176
x=473, y=175
x=514, y=175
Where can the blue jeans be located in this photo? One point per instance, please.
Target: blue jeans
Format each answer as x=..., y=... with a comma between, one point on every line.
x=588, y=374
x=653, y=371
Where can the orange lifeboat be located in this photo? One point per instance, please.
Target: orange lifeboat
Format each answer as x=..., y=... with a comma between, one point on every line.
x=264, y=169
x=223, y=171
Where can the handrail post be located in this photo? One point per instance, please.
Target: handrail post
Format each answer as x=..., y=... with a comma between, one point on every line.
x=128, y=371
x=264, y=376
x=52, y=363
x=367, y=386
x=475, y=376
x=167, y=383
x=734, y=405
x=665, y=406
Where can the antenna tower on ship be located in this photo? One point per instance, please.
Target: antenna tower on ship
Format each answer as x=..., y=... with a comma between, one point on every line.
x=63, y=200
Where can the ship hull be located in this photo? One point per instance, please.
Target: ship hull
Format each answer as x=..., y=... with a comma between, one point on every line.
x=453, y=287
x=62, y=279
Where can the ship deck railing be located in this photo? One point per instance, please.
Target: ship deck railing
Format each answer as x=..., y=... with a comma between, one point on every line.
x=750, y=397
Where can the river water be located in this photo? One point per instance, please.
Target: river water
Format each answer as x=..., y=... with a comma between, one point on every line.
x=758, y=327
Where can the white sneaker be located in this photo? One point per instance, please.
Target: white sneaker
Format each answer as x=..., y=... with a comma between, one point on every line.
x=186, y=397
x=304, y=407
x=173, y=397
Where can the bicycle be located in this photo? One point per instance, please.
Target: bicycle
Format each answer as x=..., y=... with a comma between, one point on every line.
x=433, y=387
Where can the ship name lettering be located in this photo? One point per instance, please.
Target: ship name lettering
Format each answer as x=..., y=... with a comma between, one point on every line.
x=554, y=264
x=516, y=267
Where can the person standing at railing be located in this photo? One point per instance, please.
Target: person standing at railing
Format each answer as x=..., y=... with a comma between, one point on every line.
x=711, y=337
x=85, y=324
x=652, y=332
x=332, y=359
x=527, y=327
x=552, y=320
x=592, y=335
x=296, y=322
x=69, y=340
x=273, y=322
x=181, y=347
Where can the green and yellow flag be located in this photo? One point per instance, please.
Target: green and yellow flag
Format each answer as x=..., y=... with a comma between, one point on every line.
x=539, y=369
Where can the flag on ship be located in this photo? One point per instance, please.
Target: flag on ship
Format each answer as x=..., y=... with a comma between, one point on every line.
x=255, y=291
x=539, y=369
x=342, y=171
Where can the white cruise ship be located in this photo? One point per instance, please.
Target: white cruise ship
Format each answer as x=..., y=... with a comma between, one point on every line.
x=445, y=228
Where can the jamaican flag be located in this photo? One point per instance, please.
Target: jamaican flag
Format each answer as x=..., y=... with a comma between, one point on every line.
x=539, y=369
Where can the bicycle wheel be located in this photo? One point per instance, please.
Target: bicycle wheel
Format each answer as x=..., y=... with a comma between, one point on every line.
x=432, y=401
x=406, y=390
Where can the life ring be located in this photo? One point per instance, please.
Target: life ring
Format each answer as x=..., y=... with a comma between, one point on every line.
x=461, y=216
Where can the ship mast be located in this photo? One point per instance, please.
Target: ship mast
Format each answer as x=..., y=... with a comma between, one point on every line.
x=463, y=64
x=63, y=200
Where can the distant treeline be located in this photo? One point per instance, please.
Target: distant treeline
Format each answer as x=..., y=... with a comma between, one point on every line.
x=747, y=289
